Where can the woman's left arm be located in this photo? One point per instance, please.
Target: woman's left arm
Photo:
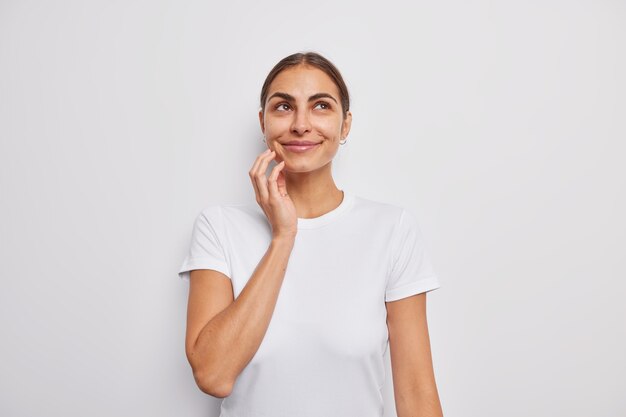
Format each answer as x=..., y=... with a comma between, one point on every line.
x=414, y=384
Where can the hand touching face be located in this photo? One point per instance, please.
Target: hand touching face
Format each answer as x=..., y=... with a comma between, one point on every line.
x=271, y=195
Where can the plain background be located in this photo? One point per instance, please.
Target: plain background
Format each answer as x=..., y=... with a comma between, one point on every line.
x=501, y=125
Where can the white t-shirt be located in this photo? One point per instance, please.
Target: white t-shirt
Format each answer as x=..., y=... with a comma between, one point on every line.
x=323, y=351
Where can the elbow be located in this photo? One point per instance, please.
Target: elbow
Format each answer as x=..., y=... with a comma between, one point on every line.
x=215, y=387
x=208, y=379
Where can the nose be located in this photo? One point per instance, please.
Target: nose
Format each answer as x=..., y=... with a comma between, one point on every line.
x=301, y=123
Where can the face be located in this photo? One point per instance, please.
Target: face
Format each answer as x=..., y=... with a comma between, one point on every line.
x=303, y=105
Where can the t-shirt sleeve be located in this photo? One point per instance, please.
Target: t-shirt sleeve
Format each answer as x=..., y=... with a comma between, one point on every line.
x=205, y=250
x=411, y=270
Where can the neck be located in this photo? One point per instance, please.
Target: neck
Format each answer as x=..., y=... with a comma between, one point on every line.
x=313, y=193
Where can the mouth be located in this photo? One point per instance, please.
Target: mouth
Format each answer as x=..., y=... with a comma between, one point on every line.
x=300, y=146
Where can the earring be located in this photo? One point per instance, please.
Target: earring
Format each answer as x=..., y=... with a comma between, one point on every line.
x=344, y=141
x=264, y=139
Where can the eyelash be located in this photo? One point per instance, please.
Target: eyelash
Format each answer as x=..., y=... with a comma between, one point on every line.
x=319, y=102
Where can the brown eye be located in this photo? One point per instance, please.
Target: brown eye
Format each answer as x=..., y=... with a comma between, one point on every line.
x=323, y=103
x=281, y=104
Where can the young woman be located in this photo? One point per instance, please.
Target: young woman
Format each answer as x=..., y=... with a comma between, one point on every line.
x=294, y=300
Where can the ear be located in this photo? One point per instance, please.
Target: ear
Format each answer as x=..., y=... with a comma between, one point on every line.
x=261, y=120
x=347, y=123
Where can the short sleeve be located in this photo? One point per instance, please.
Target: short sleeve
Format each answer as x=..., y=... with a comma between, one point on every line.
x=205, y=250
x=411, y=271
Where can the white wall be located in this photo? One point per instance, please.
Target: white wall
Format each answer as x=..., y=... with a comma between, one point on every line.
x=501, y=124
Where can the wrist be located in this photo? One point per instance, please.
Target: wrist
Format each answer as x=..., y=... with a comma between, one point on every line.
x=283, y=239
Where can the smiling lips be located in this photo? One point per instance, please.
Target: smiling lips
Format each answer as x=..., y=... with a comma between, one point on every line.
x=300, y=145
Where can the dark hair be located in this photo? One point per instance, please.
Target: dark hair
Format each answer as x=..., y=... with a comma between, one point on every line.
x=315, y=60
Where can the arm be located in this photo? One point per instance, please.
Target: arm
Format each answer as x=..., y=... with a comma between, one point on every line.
x=414, y=384
x=223, y=335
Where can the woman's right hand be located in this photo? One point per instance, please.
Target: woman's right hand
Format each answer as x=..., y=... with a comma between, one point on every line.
x=271, y=194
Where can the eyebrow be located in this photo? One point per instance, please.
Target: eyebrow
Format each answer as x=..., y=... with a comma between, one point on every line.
x=291, y=98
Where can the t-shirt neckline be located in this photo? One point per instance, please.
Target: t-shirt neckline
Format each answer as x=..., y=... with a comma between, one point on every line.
x=326, y=218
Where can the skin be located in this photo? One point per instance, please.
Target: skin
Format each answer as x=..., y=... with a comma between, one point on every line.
x=224, y=333
x=414, y=386
x=312, y=192
x=305, y=177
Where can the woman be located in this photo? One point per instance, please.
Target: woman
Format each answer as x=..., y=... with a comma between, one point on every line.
x=293, y=300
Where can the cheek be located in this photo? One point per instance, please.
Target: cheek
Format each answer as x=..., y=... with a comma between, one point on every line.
x=330, y=128
x=276, y=126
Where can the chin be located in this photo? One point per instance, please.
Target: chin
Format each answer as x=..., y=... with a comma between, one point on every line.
x=302, y=167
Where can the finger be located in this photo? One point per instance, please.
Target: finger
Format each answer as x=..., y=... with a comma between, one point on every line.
x=254, y=170
x=258, y=159
x=251, y=175
x=260, y=178
x=280, y=181
x=273, y=186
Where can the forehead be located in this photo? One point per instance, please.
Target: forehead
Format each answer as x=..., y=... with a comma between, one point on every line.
x=303, y=80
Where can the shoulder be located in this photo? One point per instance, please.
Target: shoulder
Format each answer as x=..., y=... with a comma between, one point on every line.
x=224, y=215
x=400, y=221
x=388, y=213
x=230, y=209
